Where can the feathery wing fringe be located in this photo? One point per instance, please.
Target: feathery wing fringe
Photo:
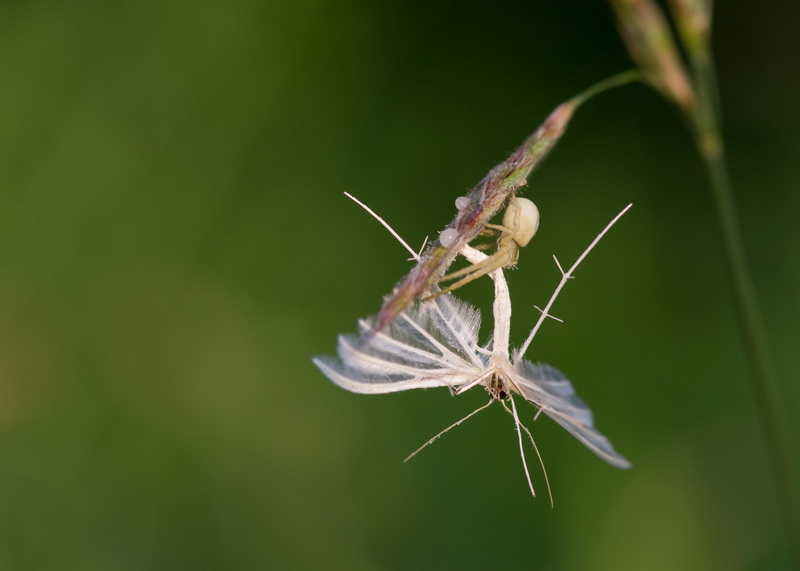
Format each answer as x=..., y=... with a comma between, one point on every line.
x=548, y=389
x=432, y=344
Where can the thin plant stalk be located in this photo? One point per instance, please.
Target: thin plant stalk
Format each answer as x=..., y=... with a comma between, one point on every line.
x=485, y=200
x=705, y=122
x=646, y=32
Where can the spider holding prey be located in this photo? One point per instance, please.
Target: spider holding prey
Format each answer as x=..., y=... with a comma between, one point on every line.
x=520, y=222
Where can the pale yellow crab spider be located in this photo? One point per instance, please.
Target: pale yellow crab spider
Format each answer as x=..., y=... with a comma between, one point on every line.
x=520, y=222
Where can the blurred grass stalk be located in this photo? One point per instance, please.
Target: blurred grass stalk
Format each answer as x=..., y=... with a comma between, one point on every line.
x=646, y=33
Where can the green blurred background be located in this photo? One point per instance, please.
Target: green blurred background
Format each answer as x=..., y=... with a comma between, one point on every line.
x=175, y=247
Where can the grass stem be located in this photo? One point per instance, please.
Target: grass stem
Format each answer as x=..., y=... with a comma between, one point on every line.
x=623, y=78
x=705, y=122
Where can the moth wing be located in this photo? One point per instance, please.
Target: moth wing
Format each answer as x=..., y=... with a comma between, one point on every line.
x=548, y=389
x=432, y=344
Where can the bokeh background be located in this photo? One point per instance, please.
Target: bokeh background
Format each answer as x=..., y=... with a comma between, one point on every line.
x=175, y=246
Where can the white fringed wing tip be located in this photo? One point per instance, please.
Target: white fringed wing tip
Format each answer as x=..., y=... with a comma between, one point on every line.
x=431, y=344
x=548, y=389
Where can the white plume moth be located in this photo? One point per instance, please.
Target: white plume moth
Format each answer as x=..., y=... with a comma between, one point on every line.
x=435, y=344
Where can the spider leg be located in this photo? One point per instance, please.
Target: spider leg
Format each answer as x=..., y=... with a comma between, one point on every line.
x=496, y=260
x=500, y=228
x=491, y=231
x=499, y=259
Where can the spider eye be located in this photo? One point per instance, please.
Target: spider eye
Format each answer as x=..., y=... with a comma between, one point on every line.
x=522, y=217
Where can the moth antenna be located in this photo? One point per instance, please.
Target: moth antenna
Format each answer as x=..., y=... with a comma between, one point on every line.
x=432, y=440
x=521, y=448
x=385, y=225
x=541, y=462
